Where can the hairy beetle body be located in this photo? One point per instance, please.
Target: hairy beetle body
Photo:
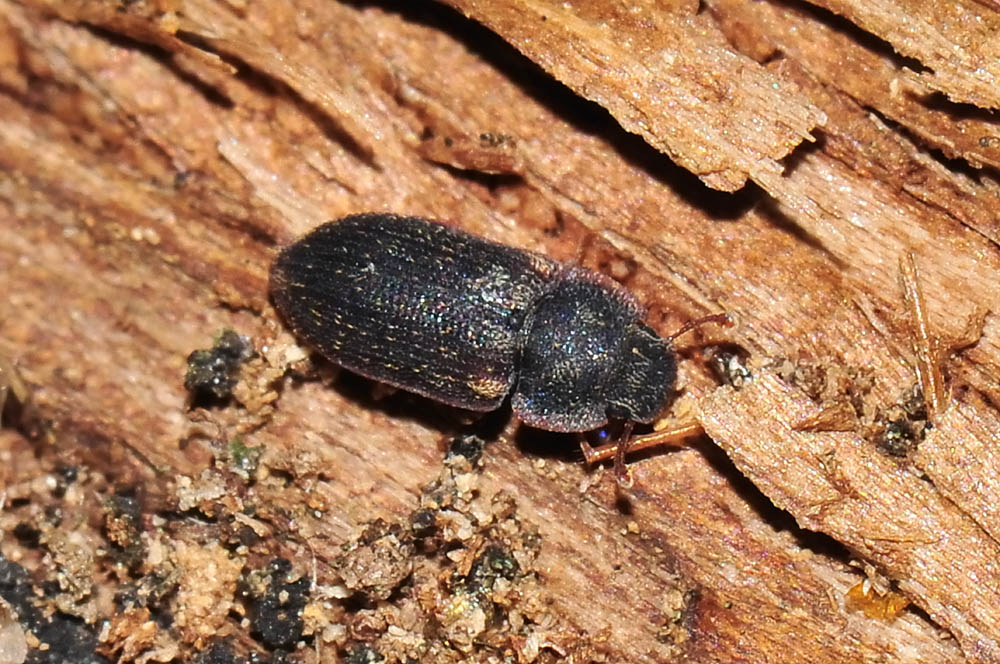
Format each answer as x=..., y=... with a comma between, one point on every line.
x=465, y=321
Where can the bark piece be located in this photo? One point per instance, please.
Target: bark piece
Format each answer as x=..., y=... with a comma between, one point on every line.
x=666, y=76
x=958, y=42
x=867, y=70
x=145, y=190
x=959, y=456
x=838, y=484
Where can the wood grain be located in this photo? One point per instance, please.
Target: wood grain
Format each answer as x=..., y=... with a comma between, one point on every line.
x=154, y=156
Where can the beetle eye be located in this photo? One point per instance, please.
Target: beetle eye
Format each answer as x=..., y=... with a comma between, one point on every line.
x=618, y=412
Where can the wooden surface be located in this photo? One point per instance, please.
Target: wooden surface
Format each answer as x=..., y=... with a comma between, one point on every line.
x=773, y=160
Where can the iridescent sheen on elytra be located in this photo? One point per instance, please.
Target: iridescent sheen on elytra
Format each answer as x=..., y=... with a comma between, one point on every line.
x=464, y=321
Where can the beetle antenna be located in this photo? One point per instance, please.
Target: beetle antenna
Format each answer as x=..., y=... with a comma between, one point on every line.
x=719, y=319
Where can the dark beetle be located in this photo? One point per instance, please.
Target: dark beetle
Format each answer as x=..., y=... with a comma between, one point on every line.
x=465, y=321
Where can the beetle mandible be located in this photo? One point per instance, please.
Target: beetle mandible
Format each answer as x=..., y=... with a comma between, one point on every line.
x=465, y=321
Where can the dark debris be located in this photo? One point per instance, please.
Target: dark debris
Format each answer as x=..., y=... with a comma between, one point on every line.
x=900, y=428
x=277, y=610
x=220, y=653
x=729, y=364
x=213, y=373
x=68, y=640
x=468, y=445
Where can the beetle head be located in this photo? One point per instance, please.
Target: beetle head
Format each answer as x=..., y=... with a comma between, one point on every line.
x=643, y=377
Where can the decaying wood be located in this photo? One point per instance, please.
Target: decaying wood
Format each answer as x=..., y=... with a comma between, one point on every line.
x=957, y=43
x=958, y=456
x=701, y=92
x=876, y=506
x=156, y=154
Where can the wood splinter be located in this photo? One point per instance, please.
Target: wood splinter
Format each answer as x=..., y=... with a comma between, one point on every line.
x=929, y=349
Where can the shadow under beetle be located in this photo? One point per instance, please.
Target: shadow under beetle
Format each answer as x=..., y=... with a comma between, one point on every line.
x=467, y=322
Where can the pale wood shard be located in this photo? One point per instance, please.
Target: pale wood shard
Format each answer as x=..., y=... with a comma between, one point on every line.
x=958, y=42
x=153, y=155
x=960, y=264
x=927, y=349
x=961, y=456
x=844, y=75
x=866, y=69
x=838, y=484
x=667, y=76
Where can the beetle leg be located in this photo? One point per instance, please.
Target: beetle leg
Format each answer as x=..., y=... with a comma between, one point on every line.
x=591, y=455
x=672, y=437
x=624, y=443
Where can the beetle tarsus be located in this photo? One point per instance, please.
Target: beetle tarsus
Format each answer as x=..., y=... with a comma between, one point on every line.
x=673, y=437
x=591, y=455
x=624, y=443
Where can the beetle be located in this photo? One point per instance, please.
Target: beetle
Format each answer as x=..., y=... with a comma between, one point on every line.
x=464, y=321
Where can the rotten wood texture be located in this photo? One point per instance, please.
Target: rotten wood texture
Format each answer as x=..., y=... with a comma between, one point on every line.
x=872, y=503
x=668, y=76
x=156, y=154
